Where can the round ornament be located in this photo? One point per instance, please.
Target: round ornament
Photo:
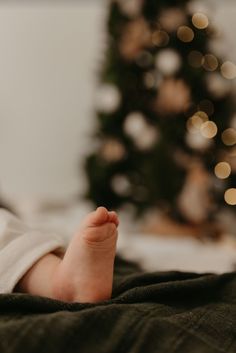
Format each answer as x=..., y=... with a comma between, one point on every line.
x=143, y=134
x=108, y=98
x=131, y=8
x=168, y=61
x=172, y=18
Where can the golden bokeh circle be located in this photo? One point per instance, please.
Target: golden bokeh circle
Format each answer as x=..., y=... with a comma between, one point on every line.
x=230, y=196
x=195, y=59
x=222, y=170
x=228, y=70
x=210, y=62
x=209, y=129
x=200, y=20
x=229, y=137
x=160, y=38
x=185, y=34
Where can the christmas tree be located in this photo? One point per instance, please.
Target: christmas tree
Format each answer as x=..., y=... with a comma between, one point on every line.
x=166, y=118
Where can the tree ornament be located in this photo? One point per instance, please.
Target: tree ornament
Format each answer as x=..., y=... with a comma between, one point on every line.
x=168, y=61
x=172, y=18
x=143, y=134
x=194, y=200
x=136, y=36
x=197, y=141
x=174, y=97
x=131, y=8
x=121, y=185
x=112, y=151
x=108, y=98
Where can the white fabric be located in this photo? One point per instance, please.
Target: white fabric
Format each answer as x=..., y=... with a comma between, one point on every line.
x=20, y=248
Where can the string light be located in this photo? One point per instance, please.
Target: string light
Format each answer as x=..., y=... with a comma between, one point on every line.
x=222, y=170
x=160, y=38
x=228, y=70
x=195, y=123
x=229, y=137
x=209, y=129
x=200, y=20
x=210, y=62
x=112, y=150
x=230, y=196
x=195, y=59
x=185, y=34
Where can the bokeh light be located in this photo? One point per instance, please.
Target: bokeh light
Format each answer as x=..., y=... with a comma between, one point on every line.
x=160, y=38
x=209, y=129
x=222, y=170
x=228, y=70
x=210, y=62
x=200, y=20
x=230, y=196
x=185, y=34
x=229, y=137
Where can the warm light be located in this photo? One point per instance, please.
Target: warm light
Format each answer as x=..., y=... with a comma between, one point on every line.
x=185, y=34
x=202, y=115
x=209, y=129
x=230, y=196
x=210, y=62
x=200, y=20
x=195, y=122
x=228, y=70
x=195, y=59
x=222, y=170
x=160, y=38
x=112, y=150
x=229, y=137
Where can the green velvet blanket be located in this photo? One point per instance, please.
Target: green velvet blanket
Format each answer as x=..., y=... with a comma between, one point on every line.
x=150, y=312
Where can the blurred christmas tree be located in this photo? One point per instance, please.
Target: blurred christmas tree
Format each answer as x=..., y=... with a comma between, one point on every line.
x=166, y=118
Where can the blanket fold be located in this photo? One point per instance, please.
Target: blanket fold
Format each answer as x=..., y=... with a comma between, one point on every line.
x=169, y=312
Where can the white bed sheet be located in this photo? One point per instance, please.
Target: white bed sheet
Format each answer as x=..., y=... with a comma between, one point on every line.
x=154, y=253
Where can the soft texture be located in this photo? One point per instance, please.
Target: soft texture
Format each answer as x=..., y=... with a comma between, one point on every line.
x=20, y=248
x=169, y=312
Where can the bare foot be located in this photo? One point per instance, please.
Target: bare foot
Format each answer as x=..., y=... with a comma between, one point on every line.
x=86, y=272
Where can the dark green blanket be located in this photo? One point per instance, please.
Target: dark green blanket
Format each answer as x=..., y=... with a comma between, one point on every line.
x=159, y=312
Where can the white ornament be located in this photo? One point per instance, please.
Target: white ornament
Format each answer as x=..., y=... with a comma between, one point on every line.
x=143, y=134
x=198, y=141
x=218, y=85
x=131, y=8
x=108, y=98
x=168, y=61
x=121, y=185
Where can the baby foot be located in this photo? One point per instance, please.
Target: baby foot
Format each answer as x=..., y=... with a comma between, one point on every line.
x=86, y=272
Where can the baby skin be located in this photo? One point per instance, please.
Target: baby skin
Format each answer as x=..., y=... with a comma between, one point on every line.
x=85, y=272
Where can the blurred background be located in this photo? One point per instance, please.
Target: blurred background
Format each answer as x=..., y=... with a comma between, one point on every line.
x=58, y=86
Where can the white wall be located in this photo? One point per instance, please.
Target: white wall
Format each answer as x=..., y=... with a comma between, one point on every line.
x=49, y=54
